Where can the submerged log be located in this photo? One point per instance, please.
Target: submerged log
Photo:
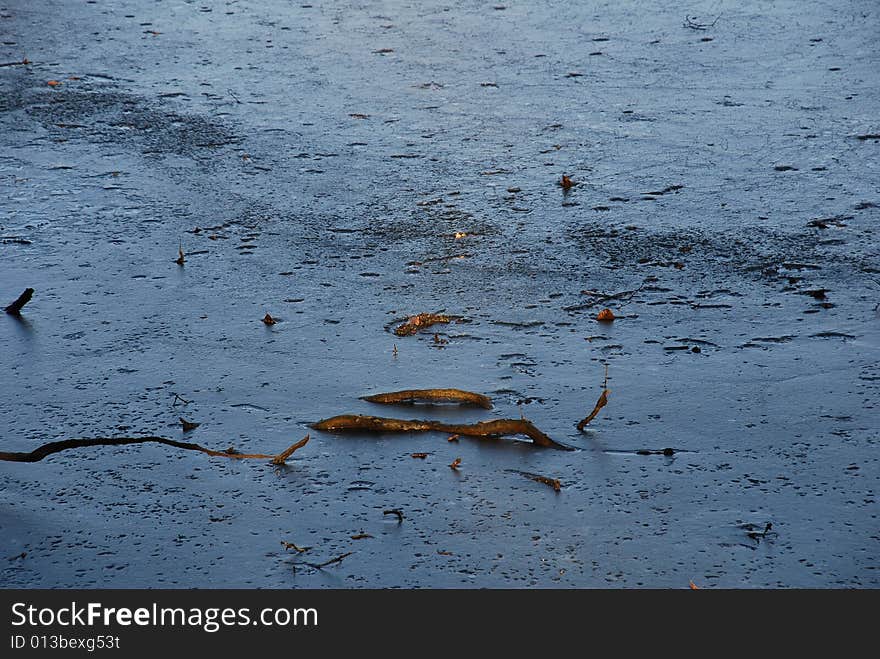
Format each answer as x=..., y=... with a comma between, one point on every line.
x=431, y=395
x=486, y=429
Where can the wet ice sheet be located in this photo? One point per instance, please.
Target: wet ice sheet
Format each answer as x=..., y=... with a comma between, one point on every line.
x=340, y=224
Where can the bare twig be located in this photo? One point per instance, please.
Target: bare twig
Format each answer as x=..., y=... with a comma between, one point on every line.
x=396, y=512
x=602, y=402
x=552, y=482
x=282, y=457
x=757, y=535
x=291, y=545
x=663, y=451
x=55, y=447
x=321, y=566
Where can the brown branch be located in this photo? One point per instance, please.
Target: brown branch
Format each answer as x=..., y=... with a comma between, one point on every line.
x=282, y=457
x=488, y=429
x=23, y=62
x=23, y=299
x=431, y=395
x=419, y=322
x=56, y=447
x=294, y=546
x=602, y=402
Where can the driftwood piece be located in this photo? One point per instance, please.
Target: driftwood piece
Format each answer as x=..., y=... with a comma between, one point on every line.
x=419, y=322
x=602, y=402
x=432, y=396
x=56, y=447
x=23, y=299
x=488, y=429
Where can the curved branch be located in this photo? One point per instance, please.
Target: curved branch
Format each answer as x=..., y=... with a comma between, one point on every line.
x=602, y=402
x=56, y=447
x=487, y=429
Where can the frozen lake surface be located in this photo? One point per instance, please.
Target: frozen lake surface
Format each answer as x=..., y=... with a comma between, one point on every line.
x=342, y=167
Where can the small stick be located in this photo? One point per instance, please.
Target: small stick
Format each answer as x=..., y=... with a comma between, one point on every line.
x=552, y=482
x=291, y=545
x=396, y=512
x=23, y=62
x=602, y=402
x=281, y=457
x=338, y=559
x=23, y=299
x=55, y=447
x=757, y=535
x=664, y=451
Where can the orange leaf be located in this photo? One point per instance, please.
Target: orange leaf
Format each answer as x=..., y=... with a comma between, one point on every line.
x=455, y=463
x=694, y=586
x=606, y=315
x=566, y=182
x=53, y=83
x=269, y=320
